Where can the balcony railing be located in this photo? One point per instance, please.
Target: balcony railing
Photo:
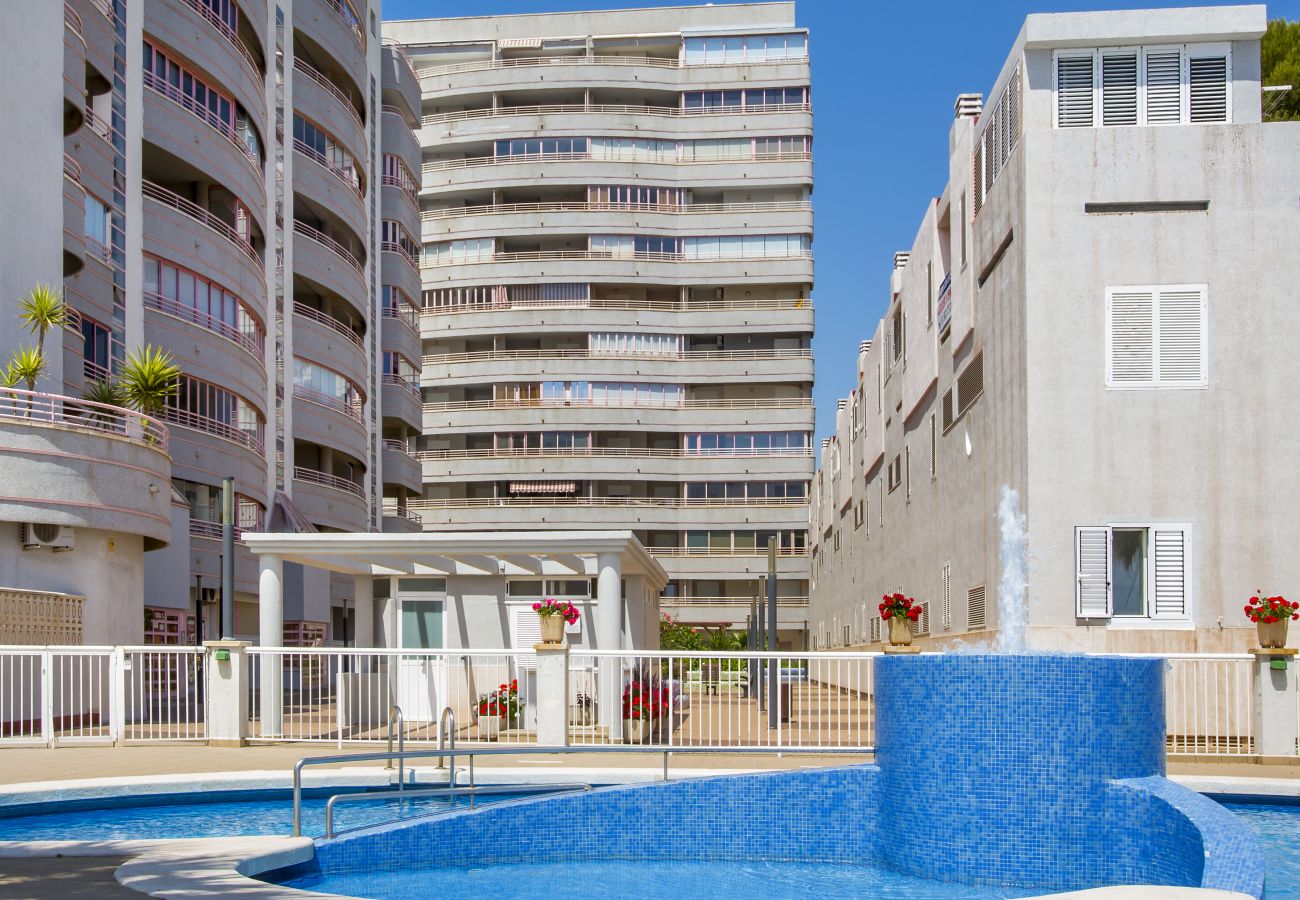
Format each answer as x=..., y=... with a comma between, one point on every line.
x=72, y=20
x=207, y=116
x=600, y=255
x=406, y=314
x=405, y=382
x=743, y=602
x=313, y=234
x=407, y=256
x=632, y=109
x=407, y=190
x=458, y=212
x=160, y=194
x=208, y=425
x=729, y=551
x=312, y=476
x=397, y=446
x=637, y=502
x=39, y=408
x=353, y=409
x=609, y=452
x=99, y=126
x=206, y=13
x=302, y=68
x=202, y=528
x=400, y=51
x=71, y=169
x=410, y=515
x=658, y=62
x=343, y=175
x=471, y=162
x=315, y=315
x=499, y=355
x=345, y=12
x=253, y=343
x=553, y=403
x=685, y=306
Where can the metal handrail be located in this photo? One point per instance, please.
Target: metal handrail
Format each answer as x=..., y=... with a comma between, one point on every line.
x=205, y=115
x=433, y=359
x=226, y=31
x=329, y=87
x=325, y=479
x=378, y=756
x=339, y=173
x=470, y=162
x=722, y=403
x=685, y=306
x=315, y=234
x=452, y=212
x=659, y=62
x=40, y=408
x=640, y=502
x=492, y=112
x=599, y=255
x=160, y=194
x=451, y=790
x=321, y=318
x=395, y=714
x=443, y=732
x=617, y=452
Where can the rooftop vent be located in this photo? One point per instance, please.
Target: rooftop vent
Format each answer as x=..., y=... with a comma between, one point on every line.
x=864, y=346
x=900, y=259
x=826, y=442
x=840, y=404
x=969, y=106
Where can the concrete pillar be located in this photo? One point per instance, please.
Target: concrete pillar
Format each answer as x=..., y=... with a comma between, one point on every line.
x=225, y=669
x=552, y=695
x=363, y=625
x=270, y=633
x=609, y=636
x=1276, y=714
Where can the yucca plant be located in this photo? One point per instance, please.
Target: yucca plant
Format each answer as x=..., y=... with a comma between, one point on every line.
x=149, y=377
x=108, y=392
x=42, y=311
x=26, y=365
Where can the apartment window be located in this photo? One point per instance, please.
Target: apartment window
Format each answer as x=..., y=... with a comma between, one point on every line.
x=1136, y=571
x=634, y=149
x=225, y=10
x=630, y=344
x=539, y=146
x=745, y=542
x=895, y=472
x=178, y=291
x=626, y=246
x=711, y=491
x=164, y=74
x=394, y=234
x=896, y=334
x=704, y=101
x=96, y=343
x=934, y=448
x=397, y=174
x=838, y=538
x=322, y=382
x=618, y=195
x=859, y=514
x=324, y=148
x=970, y=384
x=1156, y=337
x=443, y=253
x=994, y=145
x=198, y=404
x=776, y=147
x=929, y=293
x=758, y=443
x=747, y=246
x=743, y=49
x=1150, y=85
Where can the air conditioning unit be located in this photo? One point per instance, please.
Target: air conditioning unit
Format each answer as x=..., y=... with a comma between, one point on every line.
x=55, y=537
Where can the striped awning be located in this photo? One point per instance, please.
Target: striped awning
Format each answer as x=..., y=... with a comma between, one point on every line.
x=543, y=487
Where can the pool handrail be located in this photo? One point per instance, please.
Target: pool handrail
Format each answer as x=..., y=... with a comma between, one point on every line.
x=471, y=752
x=444, y=731
x=395, y=712
x=451, y=790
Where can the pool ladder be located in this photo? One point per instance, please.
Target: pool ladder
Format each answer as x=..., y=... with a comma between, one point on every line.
x=446, y=740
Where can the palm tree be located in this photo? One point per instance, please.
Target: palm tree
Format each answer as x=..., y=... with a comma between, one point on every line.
x=27, y=364
x=149, y=377
x=109, y=393
x=42, y=311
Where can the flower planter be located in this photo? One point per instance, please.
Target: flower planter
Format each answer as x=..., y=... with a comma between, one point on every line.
x=637, y=731
x=552, y=629
x=489, y=727
x=1272, y=634
x=900, y=631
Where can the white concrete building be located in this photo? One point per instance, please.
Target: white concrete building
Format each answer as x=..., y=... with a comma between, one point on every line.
x=1095, y=311
x=617, y=224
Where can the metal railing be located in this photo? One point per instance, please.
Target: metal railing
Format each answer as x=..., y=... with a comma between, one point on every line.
x=409, y=191
x=315, y=476
x=659, y=62
x=684, y=306
x=549, y=403
x=406, y=314
x=72, y=19
x=321, y=318
x=201, y=112
x=208, y=425
x=743, y=602
x=71, y=169
x=675, y=112
x=615, y=155
x=455, y=212
x=253, y=343
x=731, y=551
x=614, y=452
x=397, y=446
x=226, y=31
x=405, y=382
x=392, y=509
x=640, y=502
x=39, y=408
x=351, y=408
x=320, y=237
x=449, y=790
x=160, y=194
x=473, y=356
x=315, y=75
x=600, y=255
x=409, y=257
x=101, y=127
x=346, y=176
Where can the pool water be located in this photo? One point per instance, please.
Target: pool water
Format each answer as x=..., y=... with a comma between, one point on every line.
x=1278, y=827
x=718, y=880
x=211, y=814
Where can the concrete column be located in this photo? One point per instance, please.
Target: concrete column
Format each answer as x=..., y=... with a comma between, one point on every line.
x=363, y=625
x=227, y=692
x=552, y=695
x=270, y=633
x=609, y=636
x=1276, y=716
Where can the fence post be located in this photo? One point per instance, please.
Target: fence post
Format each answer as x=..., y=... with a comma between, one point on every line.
x=226, y=671
x=117, y=697
x=47, y=698
x=1276, y=713
x=552, y=694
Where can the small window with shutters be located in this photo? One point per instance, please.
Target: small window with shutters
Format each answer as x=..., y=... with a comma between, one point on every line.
x=1074, y=89
x=1156, y=337
x=1133, y=571
x=1176, y=84
x=946, y=580
x=976, y=615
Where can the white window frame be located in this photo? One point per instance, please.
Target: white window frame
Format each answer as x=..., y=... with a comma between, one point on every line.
x=1186, y=52
x=1150, y=619
x=1156, y=290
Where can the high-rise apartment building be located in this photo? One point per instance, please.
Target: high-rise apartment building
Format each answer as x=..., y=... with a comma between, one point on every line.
x=226, y=199
x=1096, y=312
x=616, y=287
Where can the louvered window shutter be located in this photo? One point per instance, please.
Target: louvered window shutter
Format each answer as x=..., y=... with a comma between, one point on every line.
x=1180, y=320
x=1207, y=78
x=1130, y=315
x=1163, y=86
x=1119, y=88
x=1074, y=91
x=1170, y=567
x=1092, y=564
x=528, y=631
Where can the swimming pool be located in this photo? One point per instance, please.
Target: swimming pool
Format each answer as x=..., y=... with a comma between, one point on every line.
x=1278, y=825
x=208, y=814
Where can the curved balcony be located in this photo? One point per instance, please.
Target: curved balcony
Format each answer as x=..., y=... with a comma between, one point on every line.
x=399, y=204
x=204, y=448
x=175, y=123
x=97, y=29
x=397, y=137
x=741, y=316
x=400, y=334
x=398, y=520
x=74, y=218
x=74, y=71
x=608, y=512
x=337, y=29
x=397, y=267
x=322, y=101
x=400, y=467
x=509, y=219
x=197, y=33
x=485, y=416
x=178, y=229
x=322, y=259
x=73, y=462
x=330, y=422
x=398, y=78
x=633, y=110
x=477, y=172
x=400, y=400
x=329, y=500
x=693, y=366
x=207, y=348
x=328, y=186
x=317, y=335
x=611, y=463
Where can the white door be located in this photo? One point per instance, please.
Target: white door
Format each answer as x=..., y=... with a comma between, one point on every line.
x=421, y=677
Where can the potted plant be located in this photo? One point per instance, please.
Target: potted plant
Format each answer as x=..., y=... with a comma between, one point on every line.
x=1271, y=615
x=496, y=706
x=554, y=614
x=585, y=707
x=645, y=703
x=901, y=613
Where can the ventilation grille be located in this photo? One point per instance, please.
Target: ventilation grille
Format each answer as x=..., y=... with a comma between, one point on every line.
x=970, y=384
x=976, y=615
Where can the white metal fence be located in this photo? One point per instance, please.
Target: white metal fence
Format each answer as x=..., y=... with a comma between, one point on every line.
x=69, y=695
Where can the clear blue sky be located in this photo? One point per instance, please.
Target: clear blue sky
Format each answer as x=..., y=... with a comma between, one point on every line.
x=885, y=75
